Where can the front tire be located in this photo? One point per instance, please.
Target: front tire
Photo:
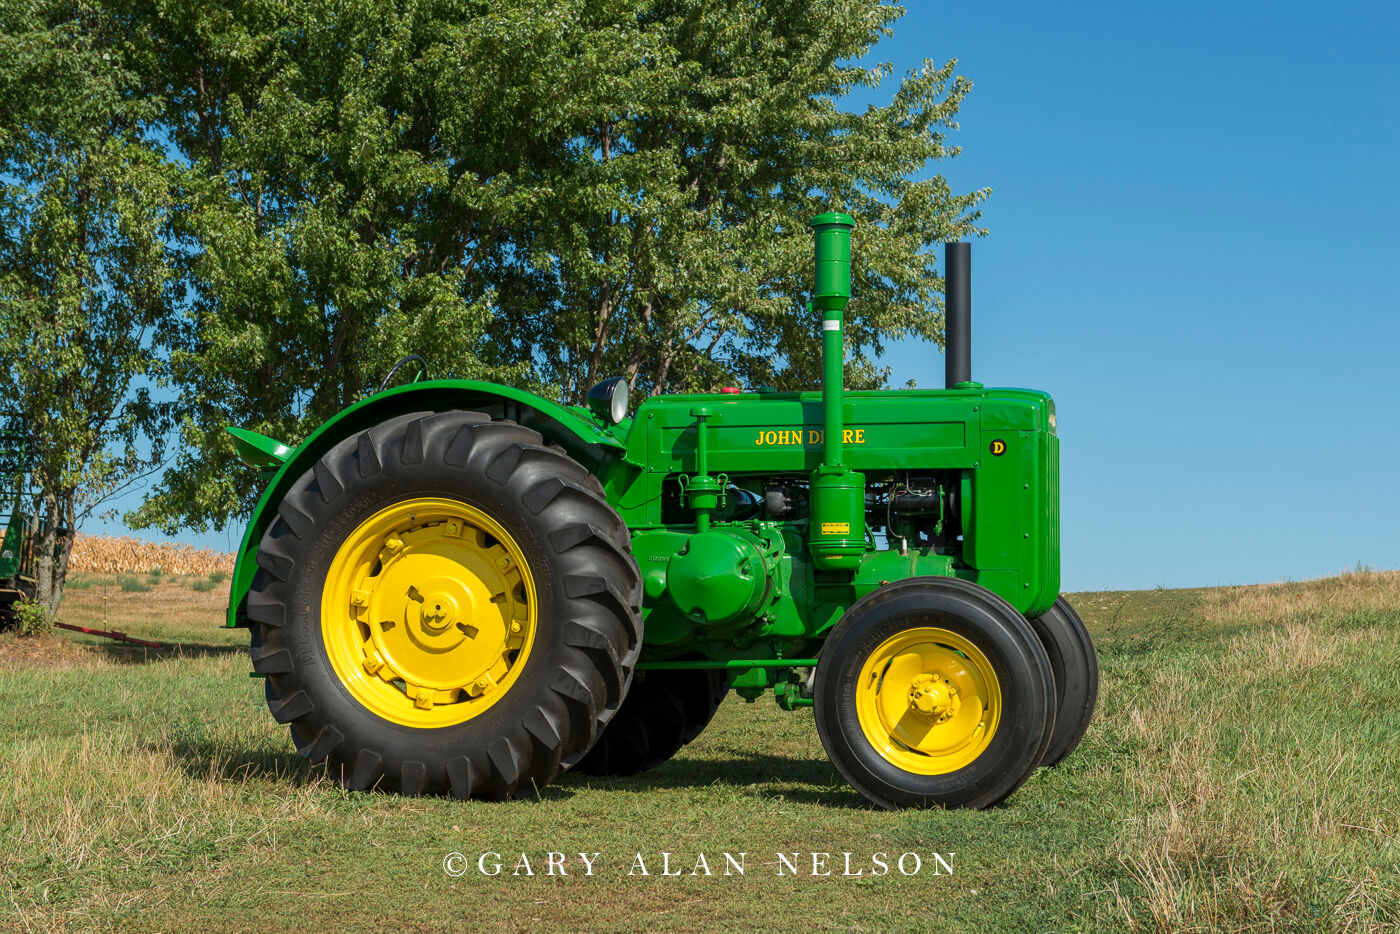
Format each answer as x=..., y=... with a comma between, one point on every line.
x=933, y=691
x=445, y=605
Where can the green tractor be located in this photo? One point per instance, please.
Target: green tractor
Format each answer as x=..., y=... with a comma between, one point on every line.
x=17, y=532
x=458, y=587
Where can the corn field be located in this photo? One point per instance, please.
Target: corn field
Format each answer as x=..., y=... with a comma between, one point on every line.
x=112, y=554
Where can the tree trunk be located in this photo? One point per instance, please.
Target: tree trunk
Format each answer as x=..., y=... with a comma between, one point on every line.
x=55, y=550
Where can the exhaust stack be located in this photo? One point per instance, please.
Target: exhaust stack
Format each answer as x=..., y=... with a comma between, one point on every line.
x=957, y=313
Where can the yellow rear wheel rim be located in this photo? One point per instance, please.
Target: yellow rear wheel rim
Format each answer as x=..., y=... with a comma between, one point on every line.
x=429, y=612
x=928, y=701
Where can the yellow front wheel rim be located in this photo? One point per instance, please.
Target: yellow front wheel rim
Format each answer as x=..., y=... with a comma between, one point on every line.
x=429, y=612
x=928, y=701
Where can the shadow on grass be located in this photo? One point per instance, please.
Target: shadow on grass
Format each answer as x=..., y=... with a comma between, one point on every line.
x=810, y=781
x=205, y=759
x=129, y=653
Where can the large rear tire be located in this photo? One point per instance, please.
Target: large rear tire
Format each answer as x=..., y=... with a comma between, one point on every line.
x=933, y=691
x=665, y=710
x=445, y=604
x=1075, y=667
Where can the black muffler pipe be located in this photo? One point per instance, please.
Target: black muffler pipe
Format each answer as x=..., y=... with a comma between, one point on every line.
x=957, y=312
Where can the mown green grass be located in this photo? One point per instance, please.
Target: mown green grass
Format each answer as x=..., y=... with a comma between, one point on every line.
x=1240, y=775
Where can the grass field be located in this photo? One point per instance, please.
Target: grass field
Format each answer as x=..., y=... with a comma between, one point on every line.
x=1241, y=774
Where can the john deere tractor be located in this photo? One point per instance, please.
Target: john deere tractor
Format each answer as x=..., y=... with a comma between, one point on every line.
x=457, y=587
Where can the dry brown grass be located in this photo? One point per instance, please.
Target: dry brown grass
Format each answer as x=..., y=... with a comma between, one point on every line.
x=163, y=804
x=186, y=621
x=112, y=554
x=1347, y=594
x=1263, y=787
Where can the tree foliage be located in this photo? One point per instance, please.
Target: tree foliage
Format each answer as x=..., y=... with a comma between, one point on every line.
x=374, y=174
x=543, y=192
x=683, y=254
x=89, y=287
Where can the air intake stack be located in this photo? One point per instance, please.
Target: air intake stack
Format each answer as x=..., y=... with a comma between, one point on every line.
x=837, y=534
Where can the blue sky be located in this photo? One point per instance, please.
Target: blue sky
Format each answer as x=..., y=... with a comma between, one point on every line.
x=1193, y=245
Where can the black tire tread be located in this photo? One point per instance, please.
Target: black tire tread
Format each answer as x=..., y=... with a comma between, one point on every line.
x=1075, y=666
x=600, y=584
x=665, y=711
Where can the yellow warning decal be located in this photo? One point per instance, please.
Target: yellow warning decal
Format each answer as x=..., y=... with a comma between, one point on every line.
x=836, y=528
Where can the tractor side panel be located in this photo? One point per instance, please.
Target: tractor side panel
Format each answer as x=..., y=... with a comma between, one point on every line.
x=999, y=442
x=781, y=433
x=1013, y=536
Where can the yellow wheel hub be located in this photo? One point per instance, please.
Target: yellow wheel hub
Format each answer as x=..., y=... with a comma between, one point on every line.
x=429, y=612
x=928, y=701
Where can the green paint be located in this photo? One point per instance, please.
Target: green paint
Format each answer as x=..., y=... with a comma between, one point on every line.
x=703, y=492
x=837, y=530
x=836, y=534
x=719, y=577
x=832, y=252
x=789, y=695
x=257, y=450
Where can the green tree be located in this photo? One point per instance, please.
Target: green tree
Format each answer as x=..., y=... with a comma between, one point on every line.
x=539, y=191
x=88, y=282
x=371, y=174
x=686, y=256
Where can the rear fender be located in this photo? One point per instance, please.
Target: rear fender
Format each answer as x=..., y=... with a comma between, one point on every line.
x=581, y=436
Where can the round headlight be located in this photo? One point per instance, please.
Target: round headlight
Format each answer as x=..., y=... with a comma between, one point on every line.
x=608, y=399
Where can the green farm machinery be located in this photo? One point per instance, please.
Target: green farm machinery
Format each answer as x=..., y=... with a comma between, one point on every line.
x=459, y=587
x=17, y=531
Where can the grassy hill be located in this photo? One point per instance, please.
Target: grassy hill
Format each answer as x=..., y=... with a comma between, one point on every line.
x=1241, y=774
